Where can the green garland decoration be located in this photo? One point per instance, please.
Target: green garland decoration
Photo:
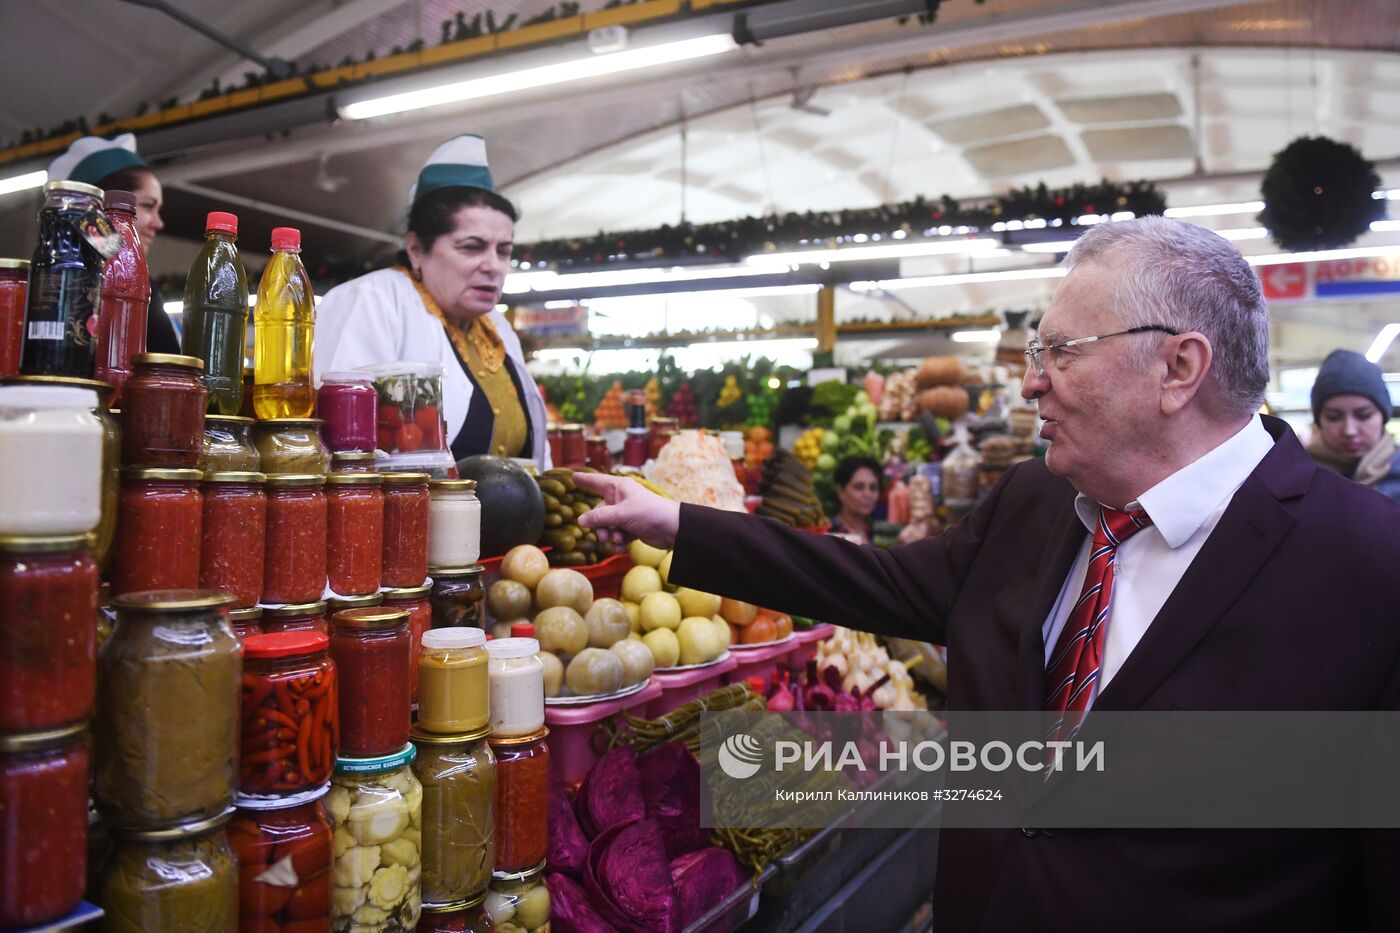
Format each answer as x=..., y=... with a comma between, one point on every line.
x=1317, y=195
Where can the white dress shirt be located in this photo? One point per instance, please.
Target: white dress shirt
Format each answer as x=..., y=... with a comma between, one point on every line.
x=1184, y=508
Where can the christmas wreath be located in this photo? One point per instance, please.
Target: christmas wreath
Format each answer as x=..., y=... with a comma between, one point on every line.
x=1317, y=195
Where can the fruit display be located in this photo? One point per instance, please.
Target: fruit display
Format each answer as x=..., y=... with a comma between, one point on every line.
x=653, y=396
x=611, y=413
x=758, y=447
x=788, y=493
x=679, y=626
x=808, y=447
x=729, y=393
x=564, y=502
x=512, y=509
x=761, y=406
x=683, y=407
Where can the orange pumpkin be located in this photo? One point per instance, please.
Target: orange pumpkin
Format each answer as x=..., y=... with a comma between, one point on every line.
x=949, y=402
x=940, y=371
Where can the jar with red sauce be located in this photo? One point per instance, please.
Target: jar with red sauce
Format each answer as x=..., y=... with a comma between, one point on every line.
x=246, y=622
x=285, y=855
x=371, y=649
x=159, y=529
x=294, y=559
x=233, y=536
x=598, y=456
x=414, y=601
x=14, y=287
x=163, y=405
x=347, y=403
x=296, y=617
x=43, y=835
x=290, y=714
x=48, y=642
x=352, y=461
x=354, y=532
x=467, y=916
x=555, y=435
x=573, y=449
x=407, y=502
x=660, y=432
x=522, y=800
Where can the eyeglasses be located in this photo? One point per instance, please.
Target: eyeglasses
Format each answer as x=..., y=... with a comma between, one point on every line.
x=1035, y=351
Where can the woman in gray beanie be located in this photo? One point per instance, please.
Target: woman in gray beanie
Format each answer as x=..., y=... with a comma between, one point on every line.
x=1351, y=405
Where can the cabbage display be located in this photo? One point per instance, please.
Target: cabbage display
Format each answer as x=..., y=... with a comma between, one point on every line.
x=570, y=911
x=702, y=879
x=670, y=779
x=611, y=794
x=629, y=878
x=568, y=846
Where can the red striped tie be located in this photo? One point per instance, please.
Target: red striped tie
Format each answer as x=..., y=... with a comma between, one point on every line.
x=1074, y=667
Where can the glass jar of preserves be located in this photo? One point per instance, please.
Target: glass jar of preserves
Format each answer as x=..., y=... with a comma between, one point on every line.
x=285, y=858
x=414, y=601
x=598, y=458
x=572, y=445
x=48, y=642
x=163, y=411
x=167, y=710
x=371, y=651
x=347, y=402
x=354, y=532
x=376, y=807
x=14, y=286
x=407, y=504
x=228, y=445
x=291, y=714
x=43, y=836
x=159, y=528
x=555, y=435
x=246, y=622
x=291, y=445
x=50, y=460
x=296, y=617
x=452, y=685
x=454, y=523
x=352, y=461
x=522, y=800
x=294, y=566
x=459, y=596
x=337, y=603
x=233, y=535
x=521, y=899
x=458, y=774
x=515, y=679
x=465, y=916
x=183, y=877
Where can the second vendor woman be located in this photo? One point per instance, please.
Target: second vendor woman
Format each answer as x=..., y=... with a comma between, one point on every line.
x=441, y=307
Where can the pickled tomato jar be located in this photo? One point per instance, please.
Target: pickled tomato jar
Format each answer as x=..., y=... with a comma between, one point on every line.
x=233, y=536
x=355, y=532
x=294, y=564
x=293, y=832
x=159, y=529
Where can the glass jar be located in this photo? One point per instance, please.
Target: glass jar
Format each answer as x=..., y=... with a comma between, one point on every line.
x=294, y=567
x=167, y=710
x=454, y=523
x=14, y=286
x=515, y=678
x=376, y=807
x=555, y=435
x=43, y=835
x=452, y=685
x=181, y=878
x=352, y=461
x=337, y=603
x=572, y=446
x=65, y=281
x=163, y=411
x=159, y=528
x=50, y=460
x=414, y=601
x=296, y=617
x=285, y=857
x=48, y=642
x=233, y=535
x=459, y=596
x=597, y=456
x=354, y=532
x=106, y=532
x=465, y=916
x=409, y=414
x=520, y=899
x=290, y=712
x=659, y=432
x=246, y=622
x=458, y=774
x=522, y=800
x=347, y=402
x=228, y=445
x=407, y=504
x=291, y=445
x=371, y=650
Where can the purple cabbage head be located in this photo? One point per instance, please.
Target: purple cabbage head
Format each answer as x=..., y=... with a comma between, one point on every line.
x=629, y=879
x=670, y=780
x=611, y=794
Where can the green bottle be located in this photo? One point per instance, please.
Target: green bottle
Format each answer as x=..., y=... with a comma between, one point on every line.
x=216, y=313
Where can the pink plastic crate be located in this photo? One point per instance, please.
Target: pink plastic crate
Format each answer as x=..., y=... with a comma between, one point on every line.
x=680, y=687
x=758, y=662
x=805, y=642
x=572, y=730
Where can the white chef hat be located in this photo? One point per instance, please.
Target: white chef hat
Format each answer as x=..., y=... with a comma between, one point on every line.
x=92, y=158
x=458, y=163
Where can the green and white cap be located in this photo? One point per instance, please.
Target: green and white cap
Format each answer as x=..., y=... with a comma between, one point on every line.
x=458, y=163
x=92, y=158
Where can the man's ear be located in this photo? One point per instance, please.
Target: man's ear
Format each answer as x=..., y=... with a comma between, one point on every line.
x=1188, y=358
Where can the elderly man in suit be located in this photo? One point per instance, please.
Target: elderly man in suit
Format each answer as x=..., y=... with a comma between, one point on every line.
x=1241, y=577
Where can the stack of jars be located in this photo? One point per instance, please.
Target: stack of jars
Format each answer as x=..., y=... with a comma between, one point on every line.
x=454, y=546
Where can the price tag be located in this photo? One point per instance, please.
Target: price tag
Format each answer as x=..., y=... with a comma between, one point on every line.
x=97, y=230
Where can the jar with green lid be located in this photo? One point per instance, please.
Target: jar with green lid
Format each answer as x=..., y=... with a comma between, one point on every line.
x=376, y=807
x=465, y=916
x=458, y=774
x=228, y=445
x=520, y=899
x=291, y=445
x=459, y=596
x=181, y=878
x=169, y=682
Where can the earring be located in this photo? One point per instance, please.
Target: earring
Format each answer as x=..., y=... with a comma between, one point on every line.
x=417, y=274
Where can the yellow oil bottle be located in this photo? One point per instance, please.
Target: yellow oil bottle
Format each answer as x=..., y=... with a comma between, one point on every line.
x=283, y=322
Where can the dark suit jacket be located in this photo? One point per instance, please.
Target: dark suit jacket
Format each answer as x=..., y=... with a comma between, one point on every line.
x=1291, y=605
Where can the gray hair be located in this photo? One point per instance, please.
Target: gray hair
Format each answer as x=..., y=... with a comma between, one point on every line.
x=1190, y=279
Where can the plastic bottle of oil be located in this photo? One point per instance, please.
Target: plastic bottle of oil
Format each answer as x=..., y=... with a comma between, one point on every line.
x=283, y=321
x=216, y=313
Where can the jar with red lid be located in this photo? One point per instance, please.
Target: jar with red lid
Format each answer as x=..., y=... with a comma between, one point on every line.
x=522, y=800
x=347, y=403
x=294, y=564
x=371, y=649
x=414, y=601
x=14, y=287
x=285, y=853
x=354, y=532
x=352, y=461
x=246, y=622
x=467, y=916
x=573, y=450
x=597, y=454
x=163, y=407
x=296, y=617
x=48, y=642
x=159, y=529
x=290, y=714
x=43, y=835
x=407, y=503
x=233, y=536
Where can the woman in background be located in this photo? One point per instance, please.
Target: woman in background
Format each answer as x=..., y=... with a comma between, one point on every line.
x=858, y=491
x=1351, y=406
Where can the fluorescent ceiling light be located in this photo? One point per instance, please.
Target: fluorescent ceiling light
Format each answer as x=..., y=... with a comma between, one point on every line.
x=518, y=283
x=1244, y=233
x=789, y=343
x=887, y=251
x=976, y=336
x=1322, y=255
x=175, y=308
x=542, y=76
x=23, y=182
x=757, y=291
x=965, y=278
x=1382, y=342
x=1054, y=246
x=1215, y=210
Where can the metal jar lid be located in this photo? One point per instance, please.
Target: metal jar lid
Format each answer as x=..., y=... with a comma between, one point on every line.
x=167, y=359
x=171, y=600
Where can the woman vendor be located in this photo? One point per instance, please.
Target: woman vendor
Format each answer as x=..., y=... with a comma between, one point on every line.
x=439, y=305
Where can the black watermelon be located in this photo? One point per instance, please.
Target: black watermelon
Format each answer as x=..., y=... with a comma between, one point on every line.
x=512, y=506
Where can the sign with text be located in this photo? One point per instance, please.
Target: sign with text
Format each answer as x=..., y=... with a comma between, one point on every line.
x=1338, y=278
x=568, y=321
